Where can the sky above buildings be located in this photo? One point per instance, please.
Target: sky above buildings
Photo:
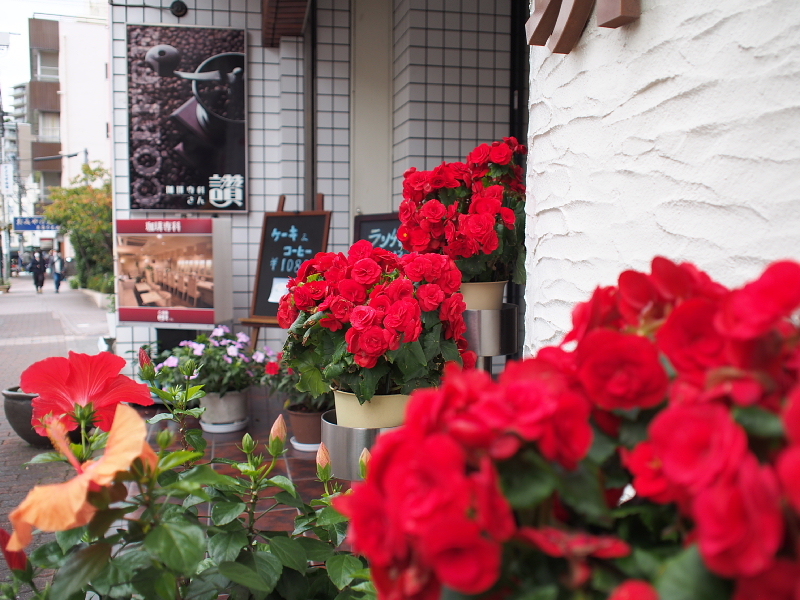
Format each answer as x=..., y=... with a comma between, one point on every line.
x=14, y=60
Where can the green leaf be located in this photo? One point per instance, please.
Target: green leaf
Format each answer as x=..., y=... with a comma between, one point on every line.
x=284, y=483
x=292, y=585
x=205, y=475
x=194, y=437
x=450, y=351
x=290, y=553
x=243, y=575
x=632, y=433
x=49, y=556
x=527, y=487
x=603, y=447
x=46, y=457
x=67, y=539
x=226, y=546
x=687, y=578
x=165, y=586
x=177, y=458
x=268, y=567
x=316, y=550
x=80, y=568
x=159, y=417
x=225, y=512
x=180, y=546
x=330, y=516
x=582, y=491
x=341, y=569
x=287, y=499
x=759, y=422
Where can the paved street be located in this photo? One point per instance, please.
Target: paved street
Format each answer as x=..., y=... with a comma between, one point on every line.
x=33, y=327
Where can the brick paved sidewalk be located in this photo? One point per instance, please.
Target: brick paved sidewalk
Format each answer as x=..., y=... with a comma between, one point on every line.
x=33, y=327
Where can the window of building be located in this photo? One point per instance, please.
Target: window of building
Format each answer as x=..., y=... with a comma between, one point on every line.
x=46, y=66
x=50, y=127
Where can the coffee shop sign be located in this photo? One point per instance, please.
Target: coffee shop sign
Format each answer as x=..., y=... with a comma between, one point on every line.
x=558, y=24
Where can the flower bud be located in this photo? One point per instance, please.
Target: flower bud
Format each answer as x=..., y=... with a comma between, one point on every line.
x=248, y=444
x=277, y=436
x=165, y=438
x=323, y=463
x=146, y=369
x=188, y=368
x=363, y=461
x=144, y=357
x=15, y=559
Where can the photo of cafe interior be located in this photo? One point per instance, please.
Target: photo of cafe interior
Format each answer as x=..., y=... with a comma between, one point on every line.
x=162, y=270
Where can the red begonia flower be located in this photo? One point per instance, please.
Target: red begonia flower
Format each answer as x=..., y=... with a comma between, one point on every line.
x=61, y=383
x=740, y=522
x=634, y=589
x=564, y=544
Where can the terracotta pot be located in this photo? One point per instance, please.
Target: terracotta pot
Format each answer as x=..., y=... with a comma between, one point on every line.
x=19, y=412
x=307, y=429
x=483, y=295
x=225, y=414
x=382, y=411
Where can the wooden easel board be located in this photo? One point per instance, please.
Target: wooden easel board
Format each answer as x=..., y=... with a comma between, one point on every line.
x=380, y=229
x=288, y=239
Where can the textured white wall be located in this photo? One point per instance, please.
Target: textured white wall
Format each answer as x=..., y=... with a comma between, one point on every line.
x=677, y=135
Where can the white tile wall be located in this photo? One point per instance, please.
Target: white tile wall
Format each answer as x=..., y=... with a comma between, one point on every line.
x=451, y=68
x=266, y=72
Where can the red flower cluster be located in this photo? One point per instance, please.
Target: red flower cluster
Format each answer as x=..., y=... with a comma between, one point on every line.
x=732, y=351
x=463, y=209
x=432, y=511
x=692, y=393
x=378, y=300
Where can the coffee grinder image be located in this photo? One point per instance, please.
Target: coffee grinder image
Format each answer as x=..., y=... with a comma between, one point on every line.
x=212, y=121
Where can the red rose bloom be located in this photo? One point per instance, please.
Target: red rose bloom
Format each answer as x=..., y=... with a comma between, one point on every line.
x=81, y=379
x=501, y=154
x=649, y=480
x=634, y=589
x=758, y=307
x=690, y=341
x=366, y=271
x=480, y=155
x=621, y=371
x=788, y=468
x=698, y=444
x=353, y=291
x=460, y=556
x=739, y=521
x=430, y=296
x=780, y=582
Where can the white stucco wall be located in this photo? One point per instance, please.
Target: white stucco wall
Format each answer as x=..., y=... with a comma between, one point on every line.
x=677, y=135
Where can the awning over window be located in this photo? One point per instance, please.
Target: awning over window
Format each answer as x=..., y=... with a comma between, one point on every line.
x=282, y=18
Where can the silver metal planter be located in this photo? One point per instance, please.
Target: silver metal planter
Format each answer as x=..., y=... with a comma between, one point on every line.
x=345, y=445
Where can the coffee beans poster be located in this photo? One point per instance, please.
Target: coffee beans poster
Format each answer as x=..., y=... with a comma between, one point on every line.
x=186, y=94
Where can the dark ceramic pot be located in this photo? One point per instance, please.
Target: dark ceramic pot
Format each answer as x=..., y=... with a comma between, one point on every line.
x=19, y=411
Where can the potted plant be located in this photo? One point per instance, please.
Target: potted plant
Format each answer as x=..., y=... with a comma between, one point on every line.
x=473, y=212
x=653, y=455
x=371, y=323
x=304, y=409
x=185, y=529
x=225, y=369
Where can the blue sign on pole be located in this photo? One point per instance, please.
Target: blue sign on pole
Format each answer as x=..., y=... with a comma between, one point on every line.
x=37, y=223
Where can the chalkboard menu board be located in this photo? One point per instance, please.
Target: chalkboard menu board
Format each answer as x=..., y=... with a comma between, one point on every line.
x=381, y=230
x=287, y=241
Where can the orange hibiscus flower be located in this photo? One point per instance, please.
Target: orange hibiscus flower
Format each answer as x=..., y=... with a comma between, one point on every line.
x=81, y=379
x=62, y=506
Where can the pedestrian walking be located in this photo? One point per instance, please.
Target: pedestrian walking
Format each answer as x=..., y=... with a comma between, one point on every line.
x=57, y=267
x=38, y=266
